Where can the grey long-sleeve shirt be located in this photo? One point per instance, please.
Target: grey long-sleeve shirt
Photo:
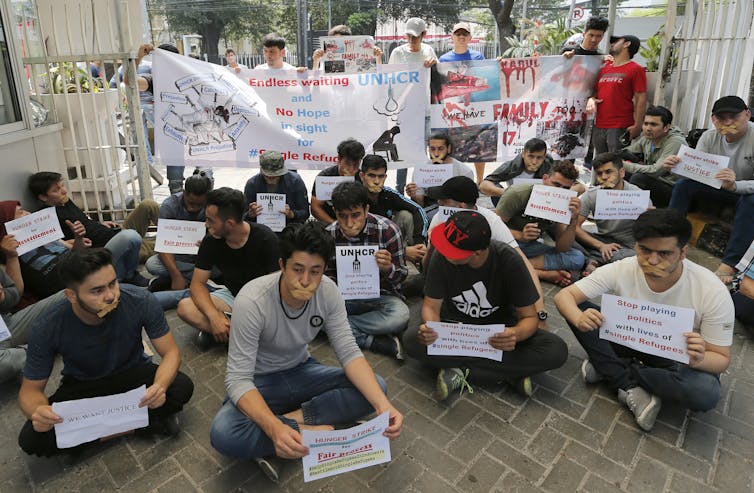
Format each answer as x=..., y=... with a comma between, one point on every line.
x=12, y=296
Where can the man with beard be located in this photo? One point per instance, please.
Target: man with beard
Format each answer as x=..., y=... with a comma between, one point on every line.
x=532, y=163
x=97, y=331
x=659, y=273
x=275, y=388
x=614, y=238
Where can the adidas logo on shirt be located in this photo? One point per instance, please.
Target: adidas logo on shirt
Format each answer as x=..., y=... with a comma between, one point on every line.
x=473, y=302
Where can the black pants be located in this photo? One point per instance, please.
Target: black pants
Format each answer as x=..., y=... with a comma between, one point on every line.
x=659, y=191
x=541, y=352
x=178, y=394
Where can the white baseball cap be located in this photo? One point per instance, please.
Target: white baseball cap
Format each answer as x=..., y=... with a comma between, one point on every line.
x=415, y=26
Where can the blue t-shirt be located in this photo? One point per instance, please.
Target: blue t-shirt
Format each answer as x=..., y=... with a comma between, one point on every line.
x=452, y=56
x=173, y=207
x=91, y=352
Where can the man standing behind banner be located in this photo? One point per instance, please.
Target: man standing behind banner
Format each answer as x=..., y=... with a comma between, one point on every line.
x=273, y=49
x=350, y=154
x=274, y=177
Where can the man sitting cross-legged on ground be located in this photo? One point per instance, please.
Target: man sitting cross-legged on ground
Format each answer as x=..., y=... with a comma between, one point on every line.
x=532, y=163
x=473, y=280
x=97, y=331
x=241, y=251
x=659, y=273
x=376, y=323
x=275, y=388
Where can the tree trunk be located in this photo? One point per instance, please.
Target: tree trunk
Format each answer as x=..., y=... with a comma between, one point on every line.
x=211, y=38
x=501, y=11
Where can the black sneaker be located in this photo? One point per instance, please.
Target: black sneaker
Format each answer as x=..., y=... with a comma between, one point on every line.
x=387, y=345
x=204, y=340
x=167, y=426
x=271, y=467
x=137, y=280
x=157, y=284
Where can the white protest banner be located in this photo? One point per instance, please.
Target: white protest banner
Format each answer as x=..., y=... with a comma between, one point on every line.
x=208, y=116
x=747, y=259
x=182, y=237
x=324, y=185
x=338, y=451
x=348, y=54
x=446, y=212
x=550, y=203
x=432, y=175
x=358, y=274
x=621, y=204
x=700, y=166
x=465, y=340
x=273, y=210
x=647, y=327
x=85, y=420
x=528, y=181
x=4, y=332
x=34, y=230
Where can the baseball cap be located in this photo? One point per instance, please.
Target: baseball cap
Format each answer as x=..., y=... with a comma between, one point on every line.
x=415, y=26
x=461, y=235
x=729, y=104
x=458, y=188
x=462, y=25
x=272, y=164
x=633, y=48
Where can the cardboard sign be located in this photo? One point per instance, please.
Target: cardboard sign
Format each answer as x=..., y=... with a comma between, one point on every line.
x=465, y=340
x=358, y=274
x=174, y=236
x=620, y=204
x=273, y=210
x=700, y=166
x=34, y=230
x=432, y=175
x=550, y=203
x=326, y=184
x=648, y=327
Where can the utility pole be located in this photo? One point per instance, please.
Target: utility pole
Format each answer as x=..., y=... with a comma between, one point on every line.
x=302, y=33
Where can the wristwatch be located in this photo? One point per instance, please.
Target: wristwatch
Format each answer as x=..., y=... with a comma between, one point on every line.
x=542, y=315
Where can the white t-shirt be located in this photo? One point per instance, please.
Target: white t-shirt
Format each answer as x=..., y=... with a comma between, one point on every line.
x=403, y=54
x=264, y=66
x=500, y=231
x=698, y=288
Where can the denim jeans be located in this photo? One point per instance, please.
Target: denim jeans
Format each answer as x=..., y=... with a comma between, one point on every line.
x=387, y=314
x=169, y=299
x=569, y=260
x=743, y=226
x=607, y=139
x=625, y=368
x=185, y=264
x=125, y=248
x=323, y=393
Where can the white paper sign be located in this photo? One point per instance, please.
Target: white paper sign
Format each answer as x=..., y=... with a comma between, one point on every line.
x=621, y=204
x=4, y=332
x=273, y=210
x=465, y=340
x=446, y=212
x=339, y=451
x=326, y=184
x=432, y=175
x=700, y=166
x=85, y=420
x=175, y=236
x=348, y=54
x=550, y=203
x=533, y=181
x=34, y=230
x=358, y=274
x=648, y=327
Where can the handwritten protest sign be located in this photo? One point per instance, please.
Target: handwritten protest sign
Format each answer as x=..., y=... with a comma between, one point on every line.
x=621, y=204
x=174, y=236
x=700, y=166
x=326, y=184
x=339, y=451
x=465, y=340
x=4, y=332
x=348, y=54
x=273, y=210
x=34, y=230
x=648, y=327
x=85, y=420
x=550, y=203
x=358, y=274
x=432, y=175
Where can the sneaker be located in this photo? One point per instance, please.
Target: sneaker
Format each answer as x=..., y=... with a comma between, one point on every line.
x=452, y=379
x=270, y=466
x=157, y=284
x=589, y=372
x=137, y=280
x=204, y=340
x=167, y=426
x=387, y=345
x=642, y=404
x=522, y=386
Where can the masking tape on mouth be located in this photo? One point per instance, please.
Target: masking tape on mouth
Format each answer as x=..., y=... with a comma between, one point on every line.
x=657, y=270
x=108, y=308
x=728, y=129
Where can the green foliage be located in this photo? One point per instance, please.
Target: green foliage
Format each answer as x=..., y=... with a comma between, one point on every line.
x=363, y=22
x=539, y=38
x=68, y=78
x=652, y=51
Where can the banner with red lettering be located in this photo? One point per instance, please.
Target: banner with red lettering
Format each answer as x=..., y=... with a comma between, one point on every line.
x=491, y=108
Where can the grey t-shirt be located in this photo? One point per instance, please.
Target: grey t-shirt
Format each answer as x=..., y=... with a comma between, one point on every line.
x=619, y=230
x=265, y=340
x=741, y=155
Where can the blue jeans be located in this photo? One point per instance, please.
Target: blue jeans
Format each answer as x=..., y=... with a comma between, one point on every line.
x=625, y=368
x=743, y=226
x=553, y=260
x=387, y=314
x=185, y=264
x=323, y=393
x=169, y=299
x=125, y=248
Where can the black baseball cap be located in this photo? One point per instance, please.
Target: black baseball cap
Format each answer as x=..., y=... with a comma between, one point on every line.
x=458, y=188
x=729, y=104
x=633, y=48
x=461, y=235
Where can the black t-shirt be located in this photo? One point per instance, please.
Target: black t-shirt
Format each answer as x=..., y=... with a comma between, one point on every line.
x=97, y=232
x=580, y=51
x=331, y=171
x=259, y=256
x=39, y=268
x=487, y=295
